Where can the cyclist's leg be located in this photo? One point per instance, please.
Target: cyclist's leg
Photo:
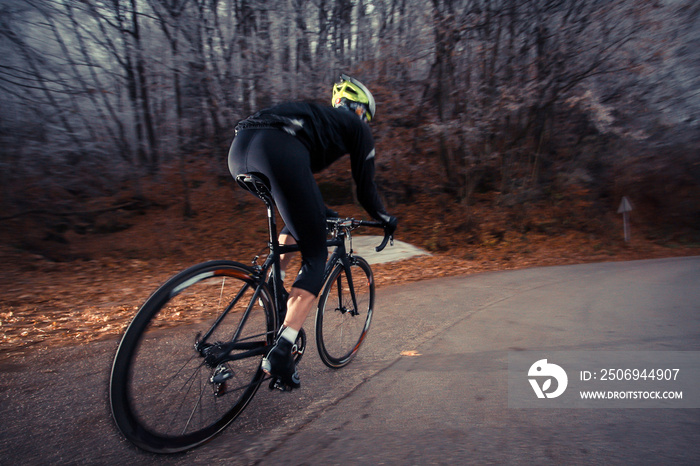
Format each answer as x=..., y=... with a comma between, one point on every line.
x=301, y=206
x=307, y=226
x=286, y=238
x=297, y=204
x=298, y=307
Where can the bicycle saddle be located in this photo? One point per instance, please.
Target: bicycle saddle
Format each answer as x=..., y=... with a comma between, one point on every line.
x=256, y=183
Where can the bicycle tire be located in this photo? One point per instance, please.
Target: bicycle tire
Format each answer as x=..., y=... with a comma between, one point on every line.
x=162, y=394
x=341, y=323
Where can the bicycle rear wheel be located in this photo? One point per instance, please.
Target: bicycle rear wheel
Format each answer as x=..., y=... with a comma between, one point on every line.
x=169, y=390
x=344, y=312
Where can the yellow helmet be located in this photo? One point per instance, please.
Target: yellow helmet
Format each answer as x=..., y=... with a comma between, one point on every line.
x=351, y=93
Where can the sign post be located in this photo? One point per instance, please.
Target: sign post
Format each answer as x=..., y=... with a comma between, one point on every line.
x=624, y=209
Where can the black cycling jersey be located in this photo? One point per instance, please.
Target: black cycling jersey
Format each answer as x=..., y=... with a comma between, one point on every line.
x=287, y=144
x=329, y=133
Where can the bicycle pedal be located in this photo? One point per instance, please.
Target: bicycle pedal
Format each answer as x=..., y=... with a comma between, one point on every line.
x=277, y=384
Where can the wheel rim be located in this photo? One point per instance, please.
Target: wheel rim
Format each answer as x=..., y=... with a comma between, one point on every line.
x=164, y=399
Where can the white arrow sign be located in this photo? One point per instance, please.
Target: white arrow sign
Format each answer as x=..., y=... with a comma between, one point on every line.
x=624, y=209
x=625, y=206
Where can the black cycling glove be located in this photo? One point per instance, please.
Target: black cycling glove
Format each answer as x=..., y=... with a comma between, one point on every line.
x=390, y=225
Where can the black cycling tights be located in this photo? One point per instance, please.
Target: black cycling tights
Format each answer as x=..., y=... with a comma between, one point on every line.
x=285, y=163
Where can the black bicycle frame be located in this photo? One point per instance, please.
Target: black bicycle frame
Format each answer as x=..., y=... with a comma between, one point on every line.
x=277, y=249
x=272, y=262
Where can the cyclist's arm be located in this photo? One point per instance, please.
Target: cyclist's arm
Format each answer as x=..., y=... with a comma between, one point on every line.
x=363, y=172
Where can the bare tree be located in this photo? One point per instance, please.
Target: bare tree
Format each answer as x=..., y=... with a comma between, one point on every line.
x=119, y=87
x=501, y=68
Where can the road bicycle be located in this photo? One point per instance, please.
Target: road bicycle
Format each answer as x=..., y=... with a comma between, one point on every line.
x=189, y=362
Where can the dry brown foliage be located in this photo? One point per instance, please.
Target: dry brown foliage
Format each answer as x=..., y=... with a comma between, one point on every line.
x=89, y=285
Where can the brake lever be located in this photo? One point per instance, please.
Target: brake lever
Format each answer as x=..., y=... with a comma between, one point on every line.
x=387, y=238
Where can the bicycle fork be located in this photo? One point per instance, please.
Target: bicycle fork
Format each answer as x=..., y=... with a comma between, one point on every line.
x=345, y=260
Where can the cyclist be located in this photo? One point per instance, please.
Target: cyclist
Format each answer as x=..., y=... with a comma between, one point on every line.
x=286, y=144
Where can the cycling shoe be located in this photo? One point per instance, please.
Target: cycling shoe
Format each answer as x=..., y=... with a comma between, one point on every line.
x=279, y=363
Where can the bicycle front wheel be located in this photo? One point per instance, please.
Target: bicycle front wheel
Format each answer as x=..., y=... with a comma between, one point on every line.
x=173, y=384
x=344, y=312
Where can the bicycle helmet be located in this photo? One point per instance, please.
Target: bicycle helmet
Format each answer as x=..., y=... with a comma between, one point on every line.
x=353, y=95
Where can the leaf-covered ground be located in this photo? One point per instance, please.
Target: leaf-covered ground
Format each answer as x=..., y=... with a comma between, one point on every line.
x=86, y=284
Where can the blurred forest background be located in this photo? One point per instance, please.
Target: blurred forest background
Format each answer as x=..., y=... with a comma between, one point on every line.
x=548, y=111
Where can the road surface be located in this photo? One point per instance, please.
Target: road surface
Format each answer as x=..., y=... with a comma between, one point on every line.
x=444, y=401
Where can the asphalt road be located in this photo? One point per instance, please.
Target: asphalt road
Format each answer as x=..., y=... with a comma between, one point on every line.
x=444, y=401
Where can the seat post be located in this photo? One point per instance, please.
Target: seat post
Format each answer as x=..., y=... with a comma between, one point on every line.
x=271, y=222
x=258, y=185
x=274, y=248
